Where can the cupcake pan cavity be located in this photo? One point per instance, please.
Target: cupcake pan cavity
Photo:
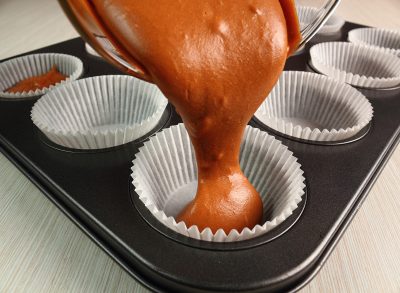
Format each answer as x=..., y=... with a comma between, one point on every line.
x=95, y=191
x=388, y=40
x=314, y=107
x=99, y=112
x=15, y=70
x=358, y=65
x=165, y=178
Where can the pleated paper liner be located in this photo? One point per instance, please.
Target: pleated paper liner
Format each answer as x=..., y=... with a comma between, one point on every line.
x=314, y=107
x=165, y=178
x=388, y=40
x=99, y=112
x=21, y=68
x=358, y=65
x=307, y=14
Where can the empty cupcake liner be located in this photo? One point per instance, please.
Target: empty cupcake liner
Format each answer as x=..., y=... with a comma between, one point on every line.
x=164, y=174
x=18, y=69
x=308, y=14
x=388, y=40
x=99, y=112
x=314, y=107
x=358, y=65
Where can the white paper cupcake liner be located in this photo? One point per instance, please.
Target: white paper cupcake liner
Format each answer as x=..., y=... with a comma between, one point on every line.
x=314, y=107
x=99, y=112
x=358, y=65
x=18, y=69
x=308, y=14
x=164, y=174
x=388, y=40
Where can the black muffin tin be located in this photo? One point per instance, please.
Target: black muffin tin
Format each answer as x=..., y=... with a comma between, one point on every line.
x=94, y=189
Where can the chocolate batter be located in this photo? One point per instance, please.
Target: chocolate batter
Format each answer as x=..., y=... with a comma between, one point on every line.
x=38, y=82
x=216, y=61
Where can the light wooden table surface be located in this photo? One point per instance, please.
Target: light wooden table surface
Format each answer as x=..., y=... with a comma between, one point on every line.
x=42, y=251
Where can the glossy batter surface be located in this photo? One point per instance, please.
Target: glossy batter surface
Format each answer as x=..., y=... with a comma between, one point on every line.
x=216, y=61
x=51, y=77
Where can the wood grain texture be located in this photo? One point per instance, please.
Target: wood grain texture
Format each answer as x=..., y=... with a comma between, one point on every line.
x=41, y=250
x=377, y=13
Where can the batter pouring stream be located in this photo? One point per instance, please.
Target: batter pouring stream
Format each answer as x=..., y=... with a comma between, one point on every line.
x=216, y=61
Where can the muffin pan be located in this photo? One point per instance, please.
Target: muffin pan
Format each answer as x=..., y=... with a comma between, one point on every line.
x=95, y=190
